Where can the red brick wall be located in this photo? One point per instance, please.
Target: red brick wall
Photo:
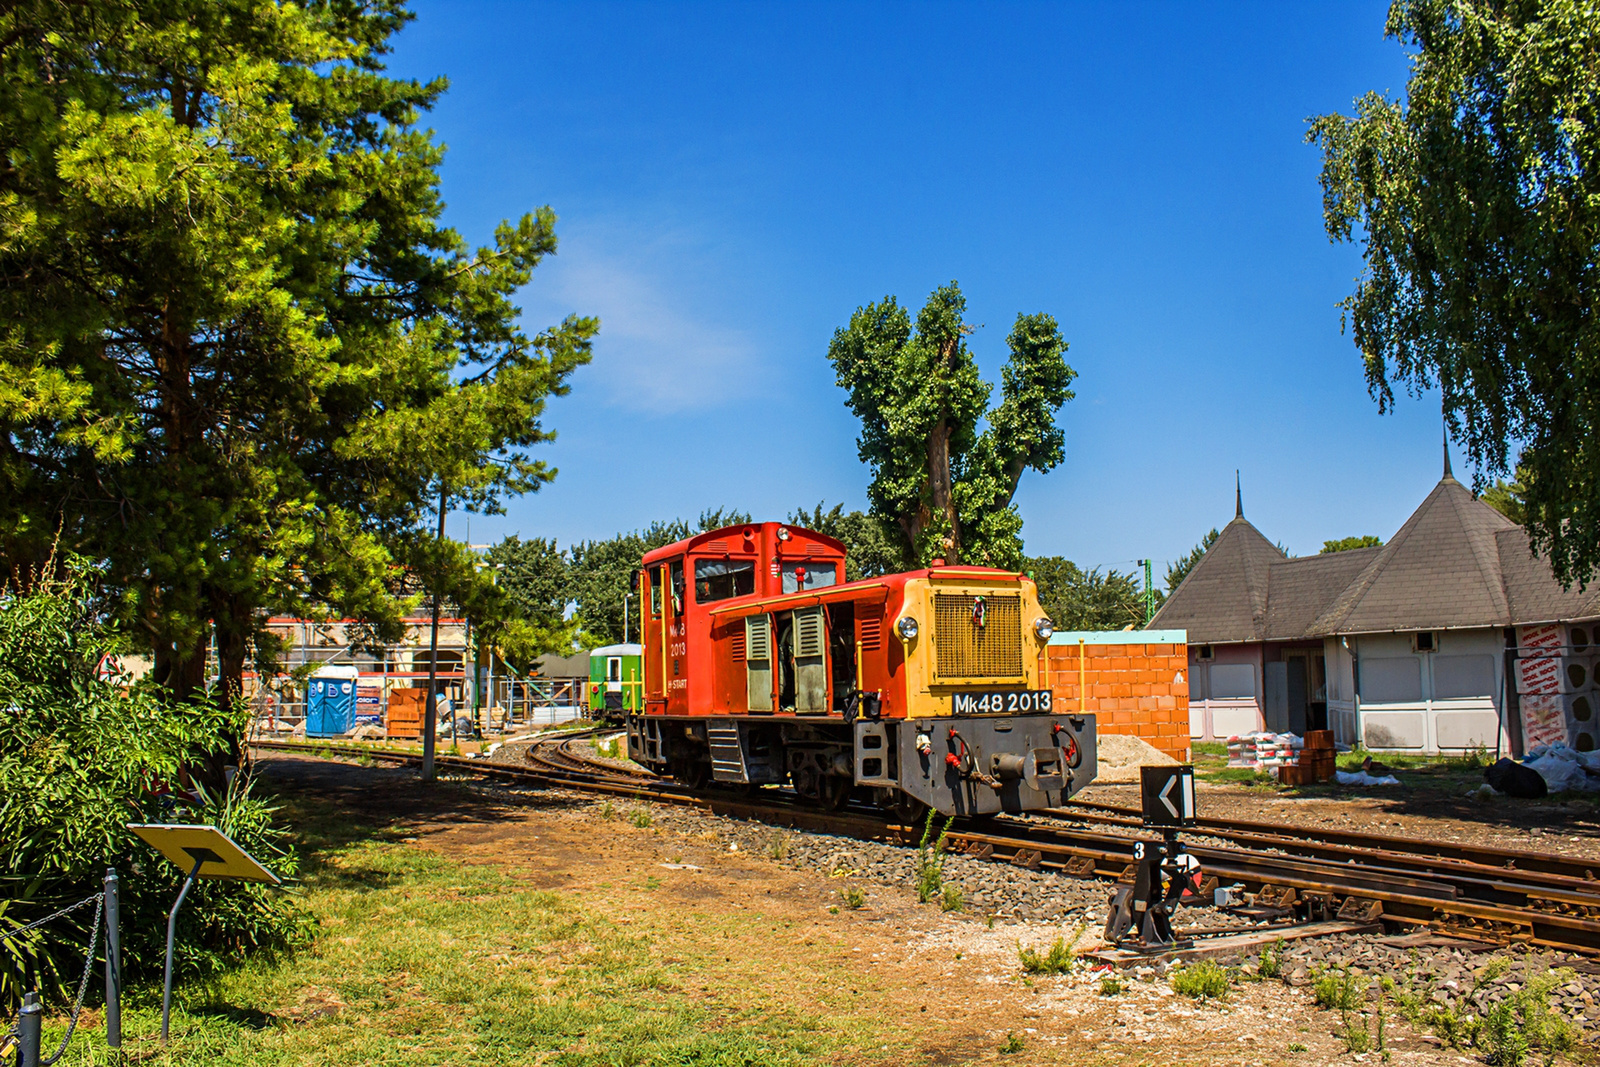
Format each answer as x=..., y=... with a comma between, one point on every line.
x=1141, y=690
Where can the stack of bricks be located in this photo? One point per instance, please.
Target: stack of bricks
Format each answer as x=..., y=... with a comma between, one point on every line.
x=1135, y=682
x=1316, y=762
x=404, y=718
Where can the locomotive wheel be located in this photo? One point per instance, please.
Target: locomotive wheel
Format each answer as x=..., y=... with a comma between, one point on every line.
x=693, y=773
x=908, y=809
x=835, y=792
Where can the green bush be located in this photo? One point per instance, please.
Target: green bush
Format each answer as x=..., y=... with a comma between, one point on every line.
x=1058, y=959
x=930, y=859
x=1204, y=980
x=1270, y=963
x=1337, y=990
x=80, y=757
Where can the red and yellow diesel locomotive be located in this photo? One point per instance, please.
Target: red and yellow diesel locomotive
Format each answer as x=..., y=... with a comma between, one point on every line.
x=913, y=690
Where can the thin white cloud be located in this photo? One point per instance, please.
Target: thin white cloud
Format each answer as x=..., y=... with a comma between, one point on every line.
x=661, y=350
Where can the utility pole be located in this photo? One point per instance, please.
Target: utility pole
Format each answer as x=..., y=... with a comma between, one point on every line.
x=430, y=717
x=625, y=598
x=1149, y=594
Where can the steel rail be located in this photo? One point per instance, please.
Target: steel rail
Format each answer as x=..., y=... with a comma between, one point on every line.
x=1478, y=881
x=1508, y=859
x=1403, y=896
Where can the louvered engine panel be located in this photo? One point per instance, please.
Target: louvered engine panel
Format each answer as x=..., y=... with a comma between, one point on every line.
x=870, y=633
x=808, y=632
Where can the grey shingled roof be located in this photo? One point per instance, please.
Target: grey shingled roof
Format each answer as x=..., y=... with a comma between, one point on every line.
x=1440, y=571
x=1300, y=590
x=1534, y=595
x=1457, y=563
x=1224, y=598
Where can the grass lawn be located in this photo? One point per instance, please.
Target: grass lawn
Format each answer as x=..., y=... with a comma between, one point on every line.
x=421, y=959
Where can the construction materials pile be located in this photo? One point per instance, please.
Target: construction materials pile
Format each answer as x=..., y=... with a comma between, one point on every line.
x=1293, y=760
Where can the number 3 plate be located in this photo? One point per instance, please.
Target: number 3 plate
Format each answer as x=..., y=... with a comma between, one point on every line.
x=1012, y=702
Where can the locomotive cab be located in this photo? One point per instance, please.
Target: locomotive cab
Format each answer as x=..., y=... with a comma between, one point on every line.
x=761, y=666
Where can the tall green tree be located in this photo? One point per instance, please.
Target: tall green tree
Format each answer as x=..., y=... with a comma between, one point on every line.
x=1345, y=544
x=1076, y=599
x=1508, y=498
x=241, y=353
x=870, y=549
x=940, y=480
x=1179, y=568
x=602, y=573
x=1477, y=203
x=523, y=615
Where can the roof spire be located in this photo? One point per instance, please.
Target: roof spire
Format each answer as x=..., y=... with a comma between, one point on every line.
x=1238, y=496
x=1447, y=472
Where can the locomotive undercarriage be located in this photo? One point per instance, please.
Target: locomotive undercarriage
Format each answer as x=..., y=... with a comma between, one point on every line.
x=969, y=765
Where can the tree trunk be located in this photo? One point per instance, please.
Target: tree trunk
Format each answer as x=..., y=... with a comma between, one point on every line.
x=181, y=671
x=940, y=489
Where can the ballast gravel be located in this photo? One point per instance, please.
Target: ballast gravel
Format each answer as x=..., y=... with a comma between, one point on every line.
x=999, y=895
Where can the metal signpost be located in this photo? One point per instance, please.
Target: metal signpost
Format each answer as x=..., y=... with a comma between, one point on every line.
x=1144, y=909
x=205, y=852
x=1167, y=796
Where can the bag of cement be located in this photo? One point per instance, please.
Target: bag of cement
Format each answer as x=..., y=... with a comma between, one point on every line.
x=1515, y=779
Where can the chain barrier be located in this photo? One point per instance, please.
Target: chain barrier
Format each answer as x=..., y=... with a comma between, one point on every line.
x=83, y=983
x=98, y=900
x=14, y=1035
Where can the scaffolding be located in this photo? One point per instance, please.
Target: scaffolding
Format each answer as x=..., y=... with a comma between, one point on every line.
x=493, y=697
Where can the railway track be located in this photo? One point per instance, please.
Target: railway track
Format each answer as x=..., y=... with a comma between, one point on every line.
x=1490, y=894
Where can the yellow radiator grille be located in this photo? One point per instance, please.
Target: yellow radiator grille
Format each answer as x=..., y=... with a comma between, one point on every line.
x=967, y=650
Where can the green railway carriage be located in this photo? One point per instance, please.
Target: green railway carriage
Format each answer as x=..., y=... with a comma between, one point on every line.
x=616, y=681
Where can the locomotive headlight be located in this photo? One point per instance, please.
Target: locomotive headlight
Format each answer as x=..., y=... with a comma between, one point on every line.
x=906, y=628
x=1044, y=628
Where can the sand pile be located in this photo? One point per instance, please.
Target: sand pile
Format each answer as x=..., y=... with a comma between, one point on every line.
x=1121, y=756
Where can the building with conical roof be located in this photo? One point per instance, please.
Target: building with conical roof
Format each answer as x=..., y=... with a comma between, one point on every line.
x=1411, y=646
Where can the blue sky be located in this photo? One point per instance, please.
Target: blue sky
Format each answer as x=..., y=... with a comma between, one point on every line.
x=733, y=180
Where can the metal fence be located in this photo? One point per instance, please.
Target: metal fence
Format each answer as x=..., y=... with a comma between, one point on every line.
x=508, y=703
x=27, y=1033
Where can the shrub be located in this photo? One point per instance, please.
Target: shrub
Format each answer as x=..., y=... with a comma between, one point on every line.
x=1203, y=980
x=1011, y=1045
x=1336, y=990
x=778, y=848
x=930, y=859
x=1505, y=1042
x=80, y=757
x=1111, y=985
x=641, y=819
x=1270, y=963
x=1058, y=959
x=952, y=899
x=854, y=898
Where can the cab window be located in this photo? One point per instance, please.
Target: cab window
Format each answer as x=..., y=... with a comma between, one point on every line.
x=614, y=669
x=675, y=569
x=798, y=577
x=719, y=579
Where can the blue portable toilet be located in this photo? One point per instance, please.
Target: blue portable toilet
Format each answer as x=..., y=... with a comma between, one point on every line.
x=331, y=702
